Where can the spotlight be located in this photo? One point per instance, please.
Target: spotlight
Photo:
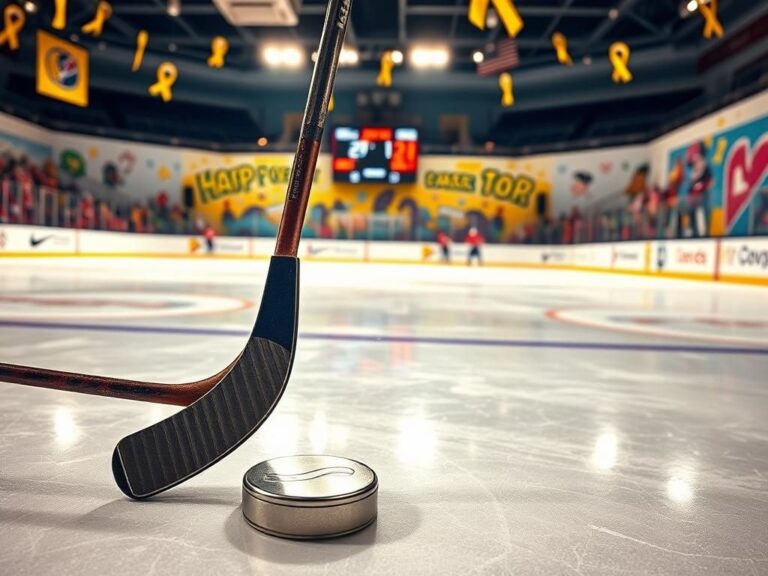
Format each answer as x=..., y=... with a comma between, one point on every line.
x=692, y=6
x=397, y=57
x=613, y=13
x=478, y=57
x=283, y=56
x=174, y=7
x=349, y=57
x=491, y=19
x=429, y=57
x=30, y=6
x=587, y=60
x=262, y=141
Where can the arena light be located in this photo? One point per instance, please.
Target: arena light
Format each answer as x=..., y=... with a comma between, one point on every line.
x=284, y=56
x=397, y=57
x=349, y=57
x=690, y=7
x=429, y=57
x=174, y=7
x=478, y=57
x=30, y=6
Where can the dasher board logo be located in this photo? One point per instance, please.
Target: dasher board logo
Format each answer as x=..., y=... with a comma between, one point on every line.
x=554, y=257
x=339, y=249
x=62, y=69
x=38, y=240
x=747, y=256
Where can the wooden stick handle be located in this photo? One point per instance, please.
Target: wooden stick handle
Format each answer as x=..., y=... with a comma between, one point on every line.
x=315, y=117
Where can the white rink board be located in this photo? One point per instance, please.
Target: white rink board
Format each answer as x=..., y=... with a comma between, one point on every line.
x=738, y=260
x=96, y=242
x=345, y=250
x=744, y=258
x=34, y=240
x=628, y=256
x=690, y=257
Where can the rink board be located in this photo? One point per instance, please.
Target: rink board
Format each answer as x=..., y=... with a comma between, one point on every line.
x=741, y=260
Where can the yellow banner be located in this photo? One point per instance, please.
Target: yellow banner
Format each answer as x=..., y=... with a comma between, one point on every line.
x=244, y=194
x=62, y=69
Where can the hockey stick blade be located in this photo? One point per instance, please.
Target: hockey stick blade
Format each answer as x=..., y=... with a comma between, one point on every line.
x=183, y=445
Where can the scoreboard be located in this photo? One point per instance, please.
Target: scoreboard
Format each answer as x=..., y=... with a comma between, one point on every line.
x=375, y=154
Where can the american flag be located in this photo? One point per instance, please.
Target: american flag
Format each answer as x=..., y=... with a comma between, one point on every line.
x=504, y=57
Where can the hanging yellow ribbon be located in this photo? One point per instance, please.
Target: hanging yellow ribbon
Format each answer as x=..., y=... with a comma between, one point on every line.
x=60, y=16
x=619, y=54
x=142, y=39
x=219, y=49
x=560, y=42
x=331, y=104
x=713, y=25
x=13, y=21
x=385, y=71
x=96, y=26
x=478, y=12
x=167, y=73
x=507, y=89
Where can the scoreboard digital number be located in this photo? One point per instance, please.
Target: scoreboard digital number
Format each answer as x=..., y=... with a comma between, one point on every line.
x=377, y=155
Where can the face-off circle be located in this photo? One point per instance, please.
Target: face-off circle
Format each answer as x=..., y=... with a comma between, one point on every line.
x=97, y=305
x=745, y=330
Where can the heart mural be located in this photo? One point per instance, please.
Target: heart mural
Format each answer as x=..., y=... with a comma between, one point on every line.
x=745, y=169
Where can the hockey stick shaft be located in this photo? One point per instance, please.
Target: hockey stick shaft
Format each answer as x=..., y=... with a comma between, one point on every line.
x=315, y=117
x=175, y=394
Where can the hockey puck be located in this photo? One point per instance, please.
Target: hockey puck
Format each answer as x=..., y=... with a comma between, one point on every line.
x=310, y=497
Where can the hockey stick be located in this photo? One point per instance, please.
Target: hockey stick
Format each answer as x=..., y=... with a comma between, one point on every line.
x=177, y=448
x=177, y=394
x=290, y=230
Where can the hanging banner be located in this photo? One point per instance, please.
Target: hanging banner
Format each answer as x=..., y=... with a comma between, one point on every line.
x=62, y=69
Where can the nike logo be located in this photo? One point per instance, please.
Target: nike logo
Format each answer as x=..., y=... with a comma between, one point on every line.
x=315, y=251
x=37, y=241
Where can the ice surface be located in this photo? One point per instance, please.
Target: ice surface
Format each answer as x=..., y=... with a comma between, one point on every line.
x=521, y=422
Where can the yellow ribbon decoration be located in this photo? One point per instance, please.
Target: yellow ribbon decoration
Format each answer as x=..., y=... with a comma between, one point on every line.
x=506, y=9
x=142, y=39
x=13, y=20
x=96, y=26
x=619, y=54
x=331, y=104
x=60, y=16
x=560, y=42
x=219, y=49
x=167, y=73
x=507, y=89
x=713, y=25
x=385, y=71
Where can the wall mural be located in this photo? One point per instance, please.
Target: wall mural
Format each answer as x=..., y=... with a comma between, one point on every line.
x=729, y=171
x=243, y=193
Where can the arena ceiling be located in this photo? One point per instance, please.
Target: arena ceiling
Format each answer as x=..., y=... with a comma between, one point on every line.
x=556, y=106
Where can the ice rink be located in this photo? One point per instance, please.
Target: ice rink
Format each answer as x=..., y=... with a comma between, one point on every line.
x=520, y=421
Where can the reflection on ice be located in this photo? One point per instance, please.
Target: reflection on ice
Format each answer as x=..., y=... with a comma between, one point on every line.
x=604, y=453
x=681, y=484
x=416, y=441
x=65, y=428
